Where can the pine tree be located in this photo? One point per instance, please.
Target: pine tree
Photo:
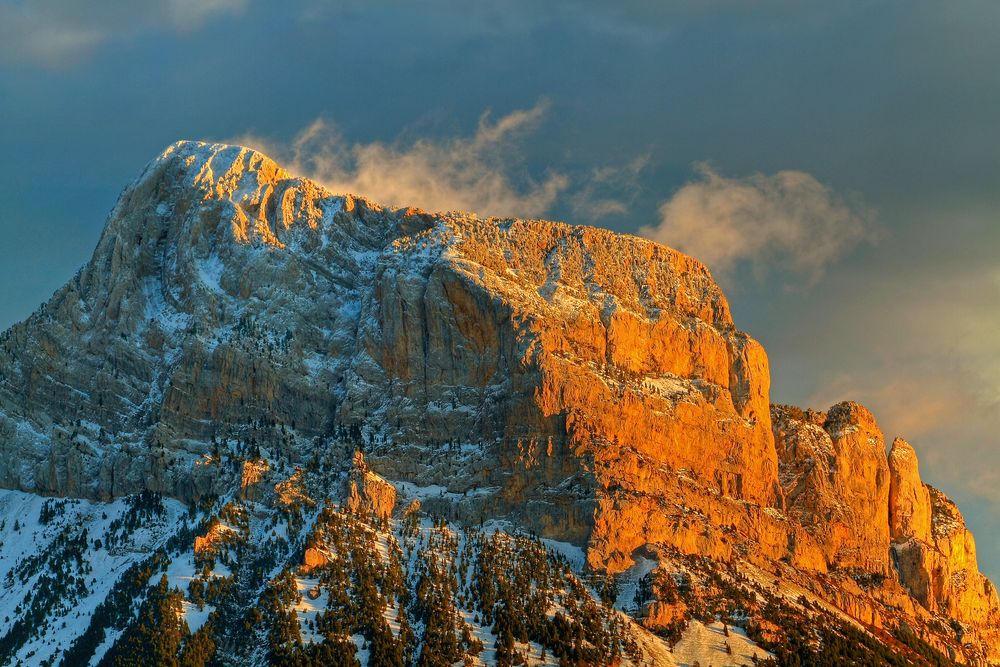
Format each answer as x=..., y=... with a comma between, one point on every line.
x=200, y=648
x=155, y=638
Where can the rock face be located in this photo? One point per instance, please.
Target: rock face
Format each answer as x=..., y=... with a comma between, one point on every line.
x=836, y=481
x=934, y=551
x=578, y=368
x=961, y=591
x=586, y=385
x=871, y=512
x=909, y=500
x=367, y=492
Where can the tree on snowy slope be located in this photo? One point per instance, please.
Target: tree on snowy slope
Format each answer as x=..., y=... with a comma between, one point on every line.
x=156, y=636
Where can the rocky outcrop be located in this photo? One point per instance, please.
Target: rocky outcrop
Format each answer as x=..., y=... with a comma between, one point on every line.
x=935, y=553
x=367, y=492
x=207, y=545
x=909, y=499
x=580, y=373
x=253, y=480
x=662, y=615
x=312, y=558
x=835, y=478
x=870, y=512
x=942, y=573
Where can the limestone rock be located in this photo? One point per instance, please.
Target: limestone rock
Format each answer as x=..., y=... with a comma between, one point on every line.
x=369, y=493
x=585, y=385
x=962, y=592
x=854, y=500
x=207, y=545
x=835, y=478
x=660, y=615
x=909, y=500
x=313, y=558
x=229, y=301
x=935, y=553
x=253, y=480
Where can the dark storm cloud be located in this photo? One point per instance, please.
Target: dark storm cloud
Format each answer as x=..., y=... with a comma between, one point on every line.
x=887, y=107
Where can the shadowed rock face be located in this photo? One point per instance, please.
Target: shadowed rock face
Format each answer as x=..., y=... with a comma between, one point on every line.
x=583, y=384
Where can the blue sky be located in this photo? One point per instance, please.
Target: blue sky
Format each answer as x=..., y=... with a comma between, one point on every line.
x=836, y=164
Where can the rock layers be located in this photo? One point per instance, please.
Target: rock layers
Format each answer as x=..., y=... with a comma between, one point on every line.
x=586, y=385
x=871, y=513
x=576, y=367
x=910, y=507
x=836, y=480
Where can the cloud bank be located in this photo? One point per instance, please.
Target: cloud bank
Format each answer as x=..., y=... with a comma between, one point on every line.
x=57, y=33
x=787, y=221
x=482, y=173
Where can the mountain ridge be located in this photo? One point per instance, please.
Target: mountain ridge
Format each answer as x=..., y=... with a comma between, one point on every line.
x=580, y=384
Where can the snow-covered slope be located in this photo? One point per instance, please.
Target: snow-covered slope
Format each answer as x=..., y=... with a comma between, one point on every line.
x=79, y=574
x=61, y=558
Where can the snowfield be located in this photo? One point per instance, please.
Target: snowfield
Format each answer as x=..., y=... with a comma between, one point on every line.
x=65, y=565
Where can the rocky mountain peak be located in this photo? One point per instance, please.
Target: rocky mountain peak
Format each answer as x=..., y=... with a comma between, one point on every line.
x=242, y=333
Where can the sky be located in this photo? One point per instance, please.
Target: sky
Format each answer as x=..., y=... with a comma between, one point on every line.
x=837, y=165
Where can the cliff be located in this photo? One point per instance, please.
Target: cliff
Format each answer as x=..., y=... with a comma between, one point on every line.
x=577, y=366
x=872, y=514
x=584, y=385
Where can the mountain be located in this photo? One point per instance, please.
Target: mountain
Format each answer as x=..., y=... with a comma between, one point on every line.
x=288, y=426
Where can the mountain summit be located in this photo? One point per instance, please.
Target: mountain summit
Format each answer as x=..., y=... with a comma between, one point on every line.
x=268, y=385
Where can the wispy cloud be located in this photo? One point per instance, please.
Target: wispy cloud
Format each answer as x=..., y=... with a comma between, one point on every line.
x=787, y=220
x=482, y=173
x=608, y=190
x=57, y=33
x=190, y=14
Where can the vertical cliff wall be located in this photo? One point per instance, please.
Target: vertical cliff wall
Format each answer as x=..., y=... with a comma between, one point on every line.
x=586, y=385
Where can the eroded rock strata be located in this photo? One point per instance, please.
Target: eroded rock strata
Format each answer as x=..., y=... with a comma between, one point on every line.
x=586, y=385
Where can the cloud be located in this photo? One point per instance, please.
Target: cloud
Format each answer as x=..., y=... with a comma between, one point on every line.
x=58, y=33
x=482, y=173
x=787, y=220
x=608, y=190
x=192, y=14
